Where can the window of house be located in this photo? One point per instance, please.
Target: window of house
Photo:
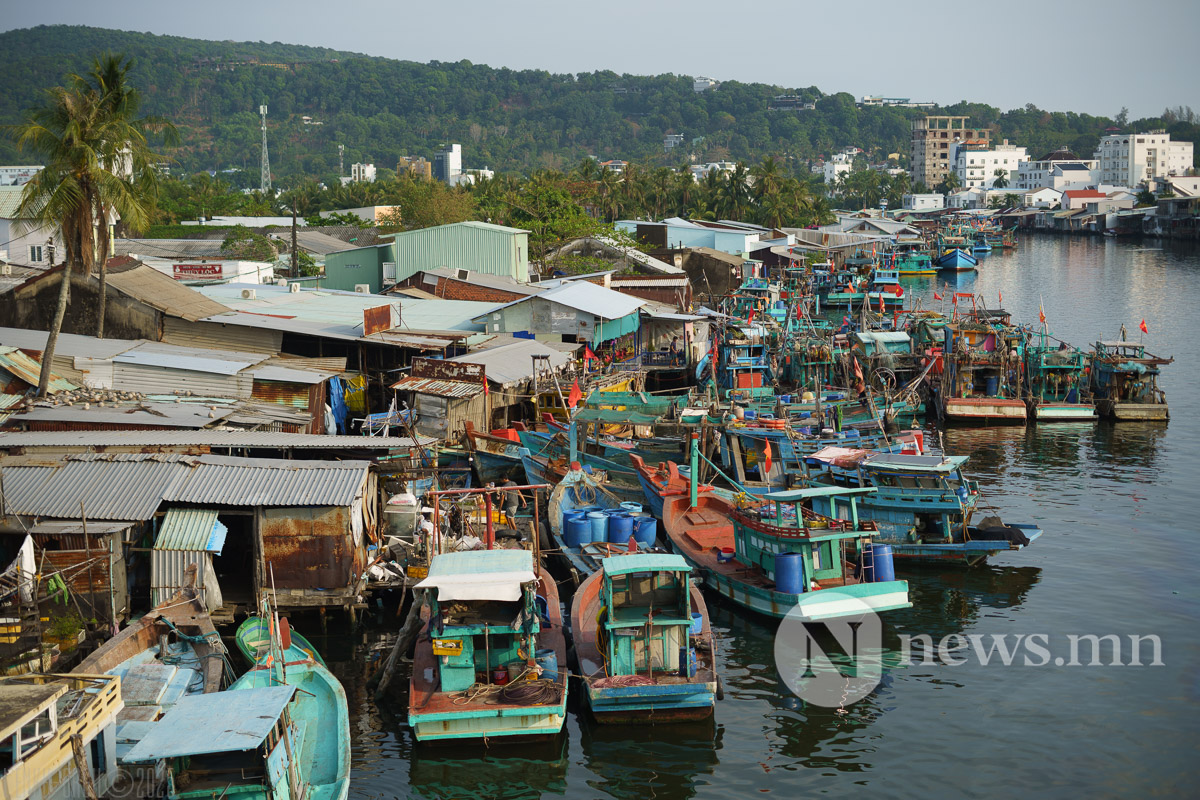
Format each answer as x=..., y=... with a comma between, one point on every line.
x=35, y=252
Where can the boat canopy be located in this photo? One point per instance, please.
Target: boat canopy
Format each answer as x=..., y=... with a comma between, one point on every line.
x=611, y=416
x=220, y=722
x=645, y=562
x=844, y=457
x=480, y=575
x=796, y=495
x=903, y=461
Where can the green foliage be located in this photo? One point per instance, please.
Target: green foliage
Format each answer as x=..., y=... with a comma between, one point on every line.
x=1146, y=198
x=244, y=244
x=65, y=626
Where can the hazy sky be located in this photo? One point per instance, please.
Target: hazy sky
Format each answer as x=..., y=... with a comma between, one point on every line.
x=1093, y=56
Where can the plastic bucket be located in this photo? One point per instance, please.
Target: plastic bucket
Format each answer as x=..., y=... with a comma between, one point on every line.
x=786, y=399
x=750, y=413
x=726, y=555
x=548, y=661
x=500, y=676
x=598, y=525
x=632, y=508
x=789, y=573
x=882, y=567
x=620, y=528
x=577, y=532
x=646, y=531
x=697, y=624
x=991, y=385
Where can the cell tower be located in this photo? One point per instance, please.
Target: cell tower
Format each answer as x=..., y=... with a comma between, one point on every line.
x=265, y=182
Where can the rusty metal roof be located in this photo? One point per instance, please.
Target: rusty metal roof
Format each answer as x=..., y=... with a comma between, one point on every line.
x=439, y=387
x=205, y=438
x=29, y=369
x=227, y=480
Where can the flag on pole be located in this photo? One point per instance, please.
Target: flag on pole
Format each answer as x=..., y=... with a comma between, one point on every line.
x=881, y=302
x=1041, y=312
x=575, y=396
x=766, y=459
x=898, y=291
x=1142, y=326
x=937, y=296
x=857, y=369
x=588, y=353
x=1001, y=299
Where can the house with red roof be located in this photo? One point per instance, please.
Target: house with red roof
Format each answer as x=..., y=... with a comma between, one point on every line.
x=1078, y=198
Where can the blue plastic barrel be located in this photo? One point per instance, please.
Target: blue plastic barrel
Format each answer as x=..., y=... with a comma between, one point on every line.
x=632, y=508
x=991, y=385
x=882, y=567
x=785, y=399
x=578, y=532
x=646, y=531
x=598, y=522
x=789, y=573
x=548, y=661
x=697, y=624
x=620, y=528
x=750, y=413
x=687, y=662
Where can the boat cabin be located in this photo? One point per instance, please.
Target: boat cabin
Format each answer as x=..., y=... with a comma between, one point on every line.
x=484, y=614
x=647, y=613
x=238, y=744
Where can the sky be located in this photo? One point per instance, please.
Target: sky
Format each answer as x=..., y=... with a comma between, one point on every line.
x=1064, y=55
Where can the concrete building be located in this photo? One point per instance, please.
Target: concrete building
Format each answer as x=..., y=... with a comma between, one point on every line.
x=1059, y=170
x=672, y=140
x=703, y=84
x=976, y=165
x=362, y=173
x=23, y=243
x=1045, y=197
x=837, y=166
x=1128, y=159
x=931, y=140
x=17, y=176
x=923, y=202
x=1078, y=198
x=447, y=163
x=897, y=102
x=573, y=311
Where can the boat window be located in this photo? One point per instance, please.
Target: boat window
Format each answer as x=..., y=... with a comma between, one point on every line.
x=99, y=756
x=8, y=754
x=217, y=772
x=36, y=731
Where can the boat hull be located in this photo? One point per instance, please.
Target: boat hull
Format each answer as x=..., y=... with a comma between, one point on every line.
x=991, y=409
x=957, y=260
x=968, y=553
x=1063, y=412
x=1131, y=412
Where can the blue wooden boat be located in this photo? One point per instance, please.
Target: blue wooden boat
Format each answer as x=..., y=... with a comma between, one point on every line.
x=956, y=258
x=540, y=443
x=551, y=463
x=490, y=663
x=494, y=458
x=642, y=641
x=319, y=712
x=922, y=505
x=248, y=743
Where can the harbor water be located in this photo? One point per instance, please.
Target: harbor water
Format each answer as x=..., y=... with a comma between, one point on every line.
x=1118, y=504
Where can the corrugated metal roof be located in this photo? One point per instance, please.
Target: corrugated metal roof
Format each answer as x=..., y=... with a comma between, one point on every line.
x=217, y=362
x=109, y=489
x=288, y=375
x=166, y=415
x=28, y=370
x=438, y=387
x=170, y=248
x=583, y=296
x=512, y=362
x=227, y=480
x=191, y=529
x=205, y=438
x=214, y=723
x=161, y=292
x=68, y=344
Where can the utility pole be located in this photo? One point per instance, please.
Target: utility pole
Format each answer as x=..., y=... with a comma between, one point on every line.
x=265, y=181
x=341, y=165
x=295, y=252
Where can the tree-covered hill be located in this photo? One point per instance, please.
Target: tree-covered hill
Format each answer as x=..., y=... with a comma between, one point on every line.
x=512, y=121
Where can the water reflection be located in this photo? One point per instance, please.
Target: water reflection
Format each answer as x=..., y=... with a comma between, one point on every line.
x=947, y=601
x=505, y=772
x=638, y=761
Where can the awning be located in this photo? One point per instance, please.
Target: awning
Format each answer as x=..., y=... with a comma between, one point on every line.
x=480, y=575
x=191, y=529
x=844, y=457
x=221, y=722
x=610, y=416
x=439, y=387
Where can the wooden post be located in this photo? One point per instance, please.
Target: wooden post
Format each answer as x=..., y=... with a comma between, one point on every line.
x=87, y=549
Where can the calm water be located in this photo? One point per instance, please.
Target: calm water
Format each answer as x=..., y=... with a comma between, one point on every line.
x=1119, y=556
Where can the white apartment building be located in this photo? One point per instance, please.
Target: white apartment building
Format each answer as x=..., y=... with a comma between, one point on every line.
x=1127, y=159
x=976, y=168
x=447, y=163
x=838, y=165
x=362, y=173
x=923, y=202
x=1060, y=170
x=703, y=84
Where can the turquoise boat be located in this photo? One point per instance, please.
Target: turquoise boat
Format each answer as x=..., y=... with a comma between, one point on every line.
x=642, y=641
x=1124, y=381
x=319, y=713
x=253, y=639
x=490, y=663
x=1056, y=383
x=922, y=506
x=245, y=747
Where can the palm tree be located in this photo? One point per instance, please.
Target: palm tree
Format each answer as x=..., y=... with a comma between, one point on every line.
x=950, y=183
x=97, y=164
x=1001, y=178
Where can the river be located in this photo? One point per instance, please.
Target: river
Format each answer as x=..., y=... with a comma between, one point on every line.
x=1119, y=556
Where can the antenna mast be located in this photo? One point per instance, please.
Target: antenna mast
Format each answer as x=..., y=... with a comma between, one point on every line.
x=265, y=182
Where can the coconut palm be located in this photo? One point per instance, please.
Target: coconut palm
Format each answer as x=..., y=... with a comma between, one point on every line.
x=98, y=164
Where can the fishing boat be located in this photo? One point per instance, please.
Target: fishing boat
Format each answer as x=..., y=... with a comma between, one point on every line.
x=256, y=745
x=772, y=556
x=486, y=666
x=1057, y=384
x=582, y=546
x=910, y=260
x=884, y=288
x=496, y=458
x=642, y=641
x=319, y=711
x=957, y=259
x=1124, y=379
x=922, y=506
x=553, y=461
x=983, y=366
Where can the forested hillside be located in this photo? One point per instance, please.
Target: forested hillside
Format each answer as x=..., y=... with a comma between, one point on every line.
x=512, y=121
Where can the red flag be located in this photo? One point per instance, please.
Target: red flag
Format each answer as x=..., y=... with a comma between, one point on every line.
x=575, y=396
x=1143, y=327
x=752, y=315
x=1041, y=313
x=898, y=291
x=881, y=302
x=857, y=370
x=1001, y=299
x=937, y=296
x=588, y=355
x=766, y=459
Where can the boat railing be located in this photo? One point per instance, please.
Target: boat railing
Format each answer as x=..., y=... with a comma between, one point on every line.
x=828, y=527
